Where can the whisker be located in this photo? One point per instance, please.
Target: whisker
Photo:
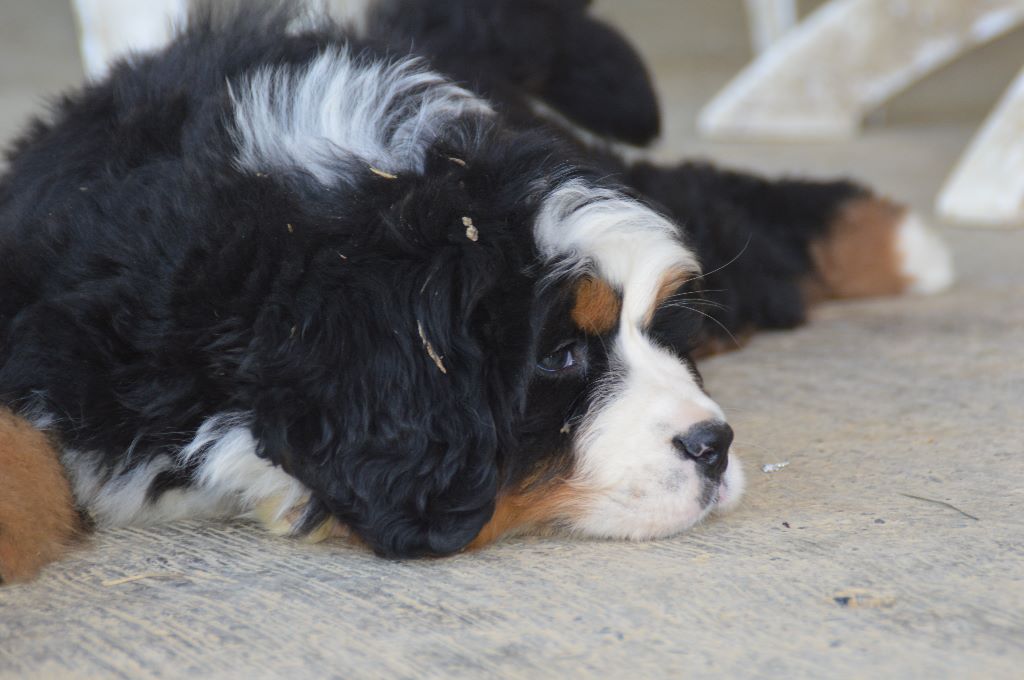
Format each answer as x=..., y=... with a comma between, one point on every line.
x=720, y=324
x=718, y=269
x=688, y=301
x=711, y=303
x=700, y=292
x=681, y=304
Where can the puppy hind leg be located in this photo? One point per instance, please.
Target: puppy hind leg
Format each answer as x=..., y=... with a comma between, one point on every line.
x=835, y=239
x=752, y=236
x=874, y=246
x=38, y=518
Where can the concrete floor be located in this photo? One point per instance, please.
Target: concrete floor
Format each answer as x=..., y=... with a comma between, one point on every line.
x=873, y=404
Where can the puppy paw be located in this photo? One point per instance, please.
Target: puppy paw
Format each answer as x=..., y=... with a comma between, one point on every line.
x=926, y=260
x=300, y=519
x=877, y=247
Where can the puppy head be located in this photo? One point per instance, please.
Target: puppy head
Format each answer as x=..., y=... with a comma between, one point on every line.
x=494, y=352
x=621, y=440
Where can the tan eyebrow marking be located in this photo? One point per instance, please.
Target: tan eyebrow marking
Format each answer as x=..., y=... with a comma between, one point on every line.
x=670, y=283
x=597, y=306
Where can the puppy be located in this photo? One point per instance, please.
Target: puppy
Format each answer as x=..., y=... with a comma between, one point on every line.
x=353, y=283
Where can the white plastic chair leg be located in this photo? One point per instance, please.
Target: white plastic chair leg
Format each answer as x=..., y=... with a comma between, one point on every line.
x=110, y=29
x=987, y=186
x=821, y=78
x=769, y=21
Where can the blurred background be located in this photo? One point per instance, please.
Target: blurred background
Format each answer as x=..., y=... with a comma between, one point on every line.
x=694, y=47
x=697, y=45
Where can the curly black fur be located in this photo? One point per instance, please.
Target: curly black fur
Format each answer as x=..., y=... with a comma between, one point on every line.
x=148, y=282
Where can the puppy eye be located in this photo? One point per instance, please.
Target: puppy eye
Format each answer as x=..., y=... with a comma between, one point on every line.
x=568, y=357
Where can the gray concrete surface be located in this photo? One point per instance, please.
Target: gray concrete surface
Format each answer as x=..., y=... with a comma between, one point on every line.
x=873, y=403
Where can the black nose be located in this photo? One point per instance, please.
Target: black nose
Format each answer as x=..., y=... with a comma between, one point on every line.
x=707, y=444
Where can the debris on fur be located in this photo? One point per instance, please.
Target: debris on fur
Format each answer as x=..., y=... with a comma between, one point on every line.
x=430, y=348
x=774, y=467
x=458, y=161
x=382, y=173
x=291, y=229
x=472, y=233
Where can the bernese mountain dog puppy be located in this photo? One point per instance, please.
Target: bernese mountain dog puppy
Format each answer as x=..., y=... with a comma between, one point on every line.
x=358, y=281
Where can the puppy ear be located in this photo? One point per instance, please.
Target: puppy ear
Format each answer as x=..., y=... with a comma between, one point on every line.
x=423, y=485
x=381, y=407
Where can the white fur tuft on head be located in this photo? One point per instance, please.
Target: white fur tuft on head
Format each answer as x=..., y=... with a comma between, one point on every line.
x=342, y=109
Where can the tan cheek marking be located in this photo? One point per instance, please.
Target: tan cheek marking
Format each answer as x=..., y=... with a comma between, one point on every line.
x=38, y=519
x=859, y=256
x=597, y=306
x=531, y=509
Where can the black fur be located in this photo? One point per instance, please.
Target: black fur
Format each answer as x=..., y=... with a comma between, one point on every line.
x=752, y=234
x=548, y=49
x=147, y=283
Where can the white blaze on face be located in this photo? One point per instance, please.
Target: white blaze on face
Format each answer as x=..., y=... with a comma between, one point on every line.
x=630, y=479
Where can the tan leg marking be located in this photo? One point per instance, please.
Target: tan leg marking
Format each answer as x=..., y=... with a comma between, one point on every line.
x=597, y=306
x=38, y=519
x=859, y=256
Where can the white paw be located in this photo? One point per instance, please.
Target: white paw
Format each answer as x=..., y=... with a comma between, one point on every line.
x=926, y=259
